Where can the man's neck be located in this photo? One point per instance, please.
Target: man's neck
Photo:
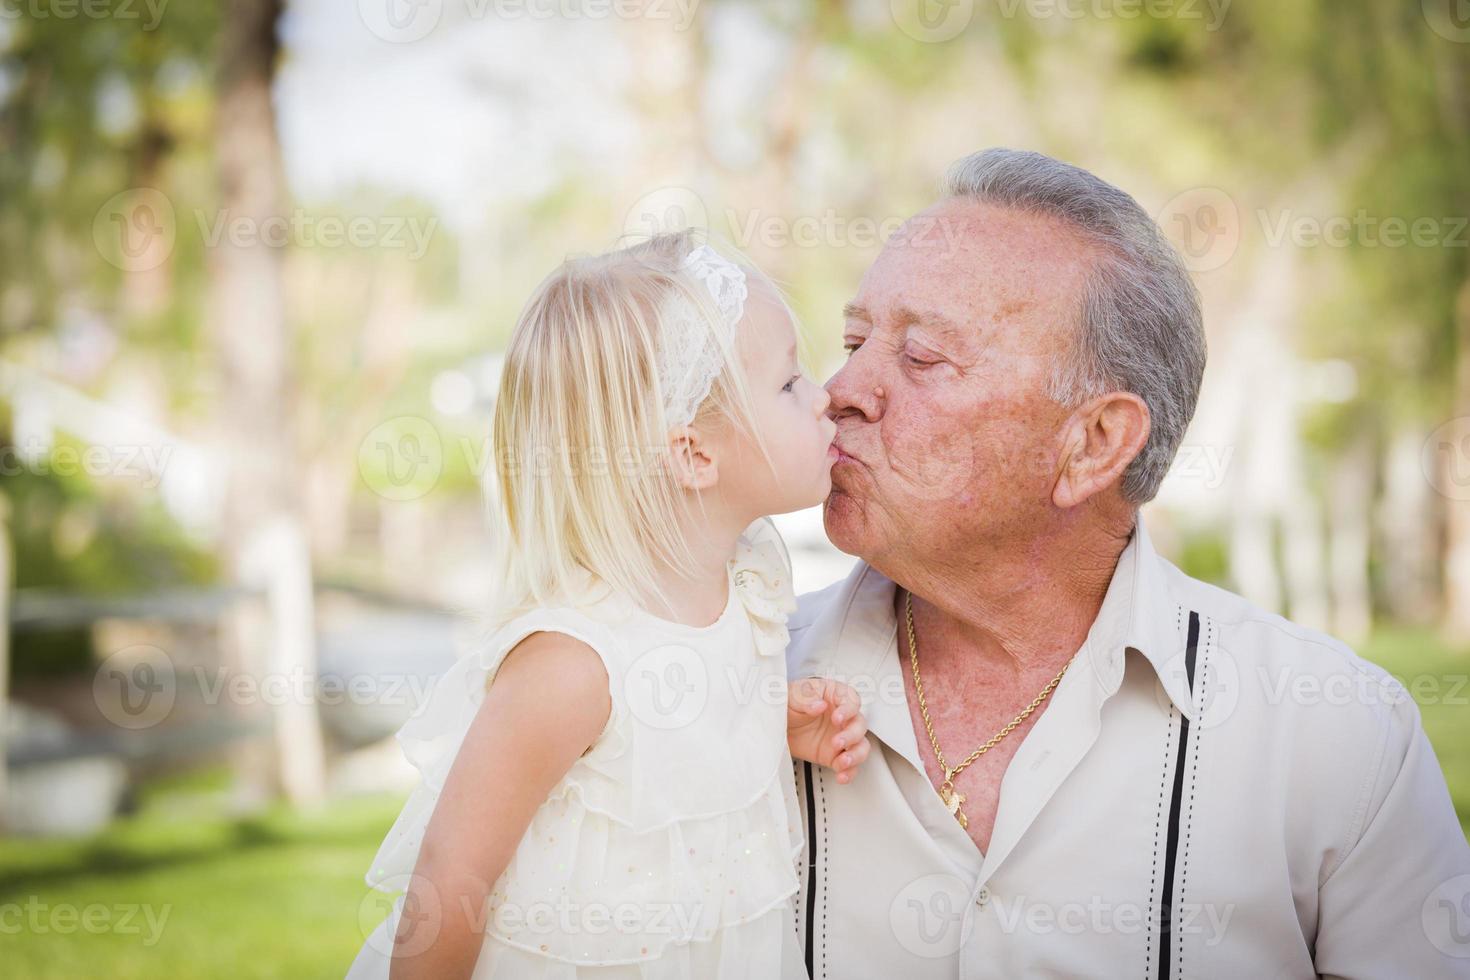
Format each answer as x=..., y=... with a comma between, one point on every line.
x=1021, y=608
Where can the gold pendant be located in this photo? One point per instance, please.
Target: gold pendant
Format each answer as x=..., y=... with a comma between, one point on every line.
x=952, y=798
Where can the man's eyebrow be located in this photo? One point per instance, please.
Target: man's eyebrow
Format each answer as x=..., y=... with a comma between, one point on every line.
x=856, y=311
x=932, y=318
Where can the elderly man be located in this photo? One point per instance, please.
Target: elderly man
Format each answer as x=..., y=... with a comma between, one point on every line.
x=1085, y=763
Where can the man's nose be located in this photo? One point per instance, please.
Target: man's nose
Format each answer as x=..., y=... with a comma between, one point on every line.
x=851, y=389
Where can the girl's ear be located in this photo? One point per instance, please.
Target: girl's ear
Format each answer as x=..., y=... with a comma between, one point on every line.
x=690, y=458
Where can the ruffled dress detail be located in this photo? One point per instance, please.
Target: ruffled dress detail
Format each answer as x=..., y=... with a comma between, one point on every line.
x=669, y=849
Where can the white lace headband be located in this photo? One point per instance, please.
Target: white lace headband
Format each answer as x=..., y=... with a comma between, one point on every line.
x=690, y=354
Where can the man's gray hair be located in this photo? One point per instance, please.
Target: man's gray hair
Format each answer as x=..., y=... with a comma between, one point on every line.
x=1140, y=328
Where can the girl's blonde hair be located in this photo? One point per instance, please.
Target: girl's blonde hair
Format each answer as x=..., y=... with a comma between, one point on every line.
x=580, y=438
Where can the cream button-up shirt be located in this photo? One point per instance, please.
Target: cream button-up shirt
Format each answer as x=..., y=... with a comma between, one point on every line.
x=1211, y=792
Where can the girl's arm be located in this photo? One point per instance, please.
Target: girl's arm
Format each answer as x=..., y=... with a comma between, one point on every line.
x=548, y=703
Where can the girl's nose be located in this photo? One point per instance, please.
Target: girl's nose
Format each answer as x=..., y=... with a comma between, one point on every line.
x=824, y=399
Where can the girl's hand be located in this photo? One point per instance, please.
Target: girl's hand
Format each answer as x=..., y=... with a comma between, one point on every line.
x=825, y=725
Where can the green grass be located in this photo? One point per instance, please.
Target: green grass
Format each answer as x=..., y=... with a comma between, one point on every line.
x=273, y=896
x=280, y=895
x=1439, y=679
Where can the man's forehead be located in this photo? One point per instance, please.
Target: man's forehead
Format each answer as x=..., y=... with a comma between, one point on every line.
x=962, y=258
x=959, y=225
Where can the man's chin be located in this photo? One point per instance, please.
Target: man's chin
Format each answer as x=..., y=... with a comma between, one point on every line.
x=842, y=517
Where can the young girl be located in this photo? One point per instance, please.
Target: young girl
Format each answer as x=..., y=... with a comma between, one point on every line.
x=607, y=785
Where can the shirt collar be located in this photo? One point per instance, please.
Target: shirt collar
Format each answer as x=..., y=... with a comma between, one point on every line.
x=1139, y=613
x=853, y=638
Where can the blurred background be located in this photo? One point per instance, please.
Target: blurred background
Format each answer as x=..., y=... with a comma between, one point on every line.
x=258, y=261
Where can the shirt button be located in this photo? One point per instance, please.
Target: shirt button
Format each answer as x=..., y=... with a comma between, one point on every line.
x=982, y=898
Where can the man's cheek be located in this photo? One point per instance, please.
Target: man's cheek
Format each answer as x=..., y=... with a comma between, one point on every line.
x=933, y=461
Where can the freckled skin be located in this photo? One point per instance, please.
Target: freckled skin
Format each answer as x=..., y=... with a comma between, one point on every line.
x=947, y=485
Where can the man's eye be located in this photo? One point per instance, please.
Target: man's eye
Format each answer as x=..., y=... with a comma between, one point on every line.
x=852, y=346
x=792, y=383
x=916, y=362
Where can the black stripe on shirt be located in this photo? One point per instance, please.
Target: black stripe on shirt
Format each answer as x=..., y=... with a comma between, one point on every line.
x=1171, y=847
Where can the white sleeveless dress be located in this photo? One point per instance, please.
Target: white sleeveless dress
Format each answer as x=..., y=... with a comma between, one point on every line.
x=669, y=849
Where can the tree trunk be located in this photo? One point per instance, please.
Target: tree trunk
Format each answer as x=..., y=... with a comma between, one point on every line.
x=262, y=531
x=1457, y=516
x=1409, y=531
x=1349, y=501
x=7, y=580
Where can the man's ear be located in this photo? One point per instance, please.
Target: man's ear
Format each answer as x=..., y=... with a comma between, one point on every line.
x=690, y=458
x=1100, y=439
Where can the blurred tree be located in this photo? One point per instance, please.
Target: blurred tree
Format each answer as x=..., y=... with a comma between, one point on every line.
x=262, y=533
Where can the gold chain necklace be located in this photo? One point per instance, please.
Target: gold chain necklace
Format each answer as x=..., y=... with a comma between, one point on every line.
x=952, y=797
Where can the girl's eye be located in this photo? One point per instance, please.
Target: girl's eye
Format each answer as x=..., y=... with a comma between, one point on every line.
x=792, y=383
